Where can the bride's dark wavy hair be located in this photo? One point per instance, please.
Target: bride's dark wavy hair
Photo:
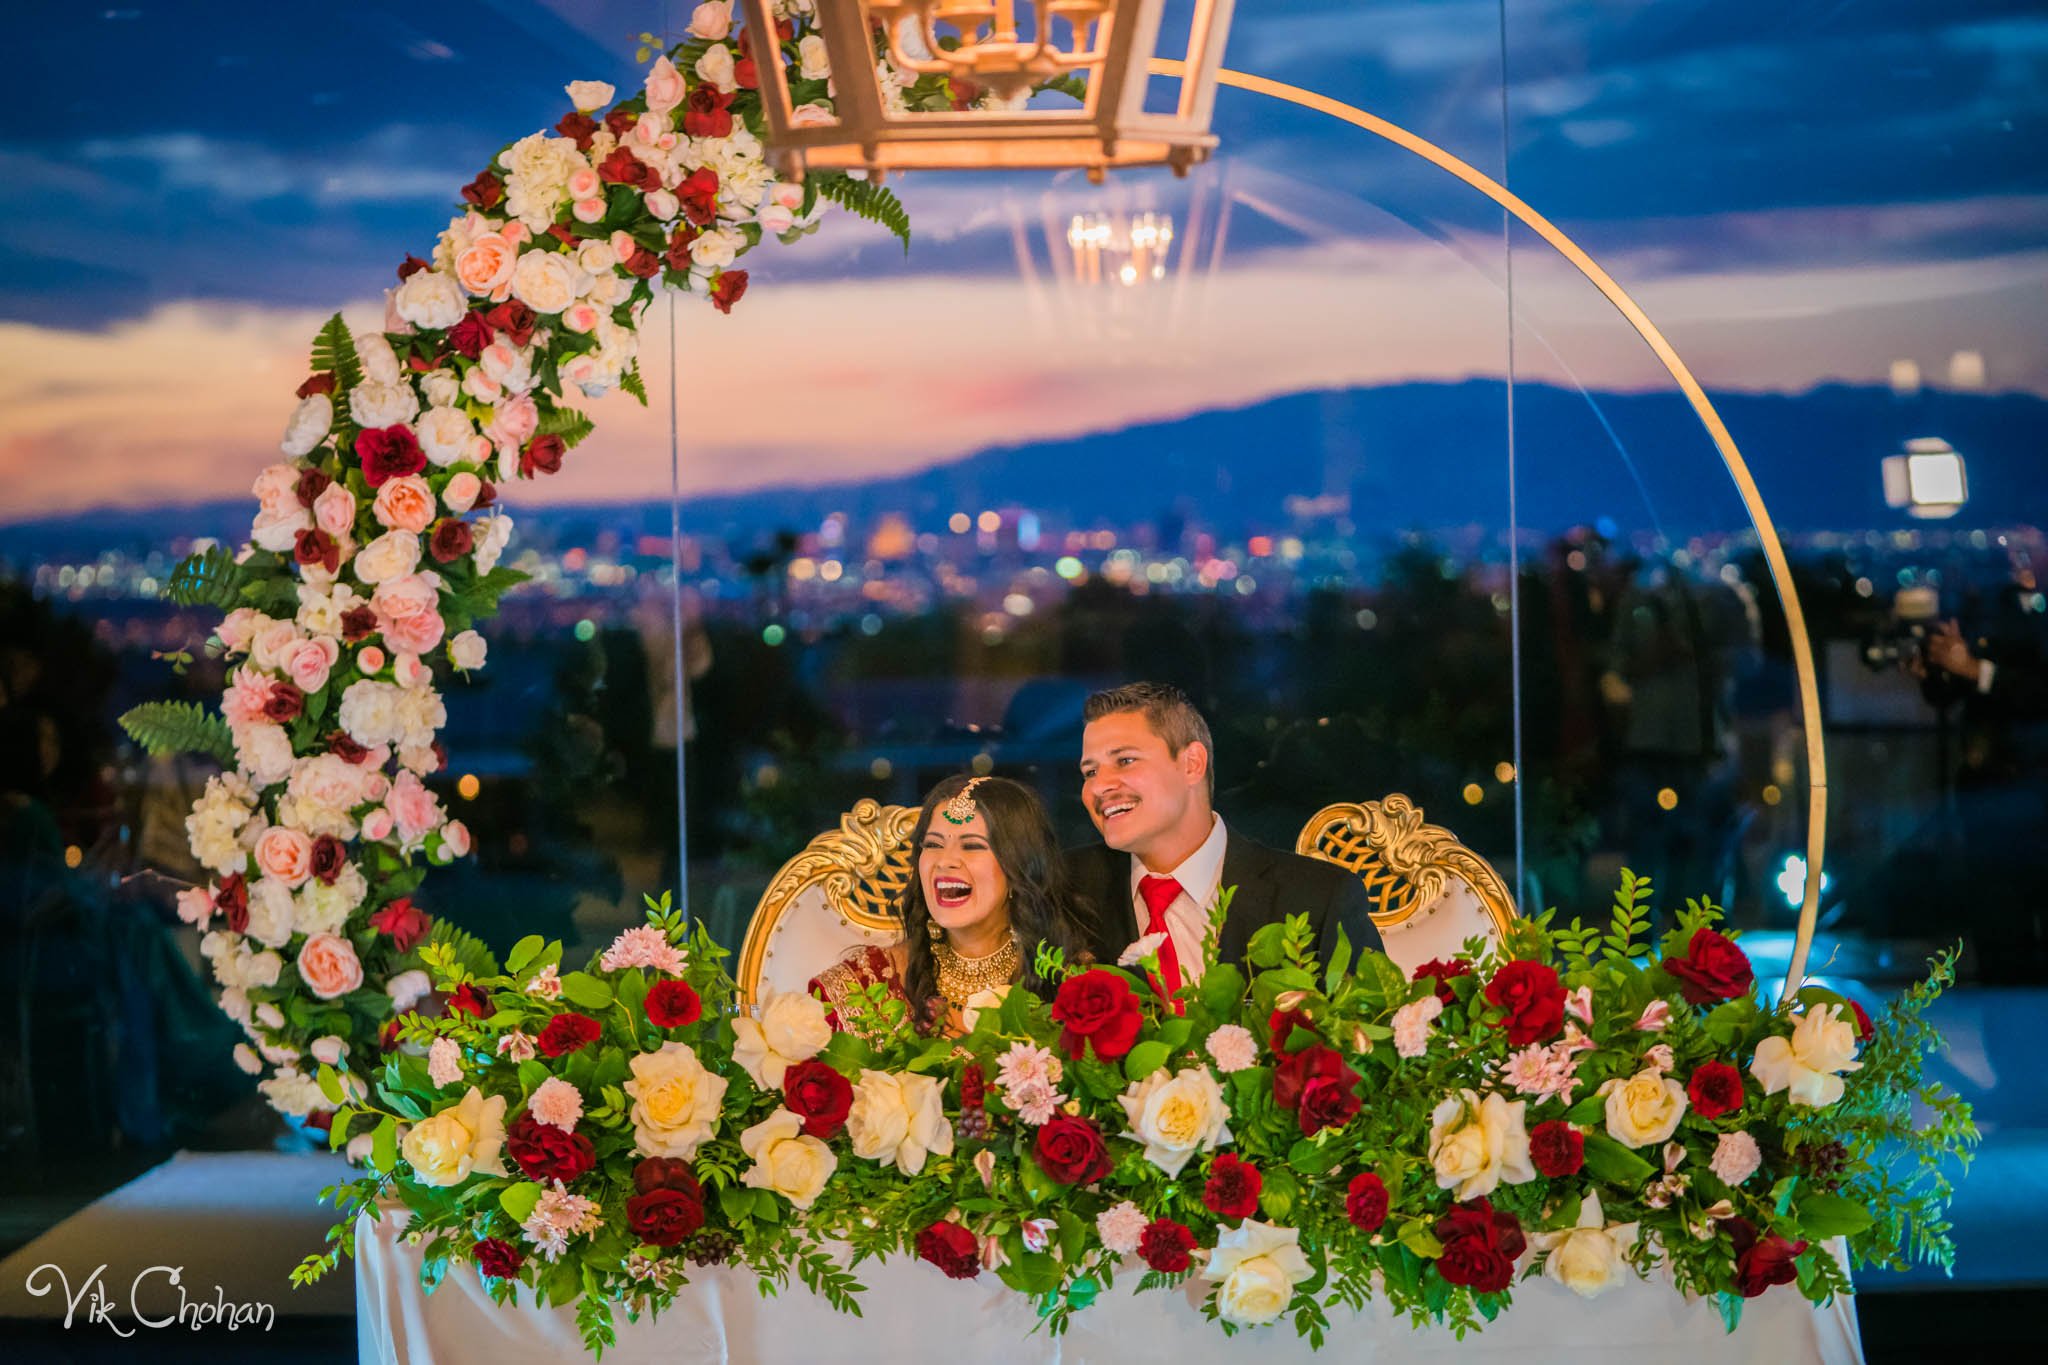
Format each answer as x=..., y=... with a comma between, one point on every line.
x=1020, y=834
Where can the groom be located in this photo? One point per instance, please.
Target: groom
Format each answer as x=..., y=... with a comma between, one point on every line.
x=1147, y=781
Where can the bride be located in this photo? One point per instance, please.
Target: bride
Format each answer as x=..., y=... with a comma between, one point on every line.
x=990, y=888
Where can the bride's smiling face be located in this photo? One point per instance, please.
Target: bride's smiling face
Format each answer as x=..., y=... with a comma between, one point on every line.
x=964, y=886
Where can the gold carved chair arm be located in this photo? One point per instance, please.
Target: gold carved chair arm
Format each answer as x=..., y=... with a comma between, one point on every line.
x=860, y=869
x=1404, y=861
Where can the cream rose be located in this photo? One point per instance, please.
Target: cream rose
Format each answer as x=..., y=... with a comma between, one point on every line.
x=711, y=20
x=544, y=281
x=441, y=388
x=1588, y=1258
x=1644, y=1109
x=460, y=1141
x=899, y=1117
x=444, y=434
x=715, y=67
x=812, y=63
x=310, y=422
x=383, y=405
x=264, y=752
x=792, y=1027
x=485, y=266
x=271, y=913
x=405, y=504
x=467, y=650
x=428, y=298
x=1805, y=1065
x=497, y=534
x=786, y=1160
x=391, y=555
x=1257, y=1266
x=812, y=115
x=589, y=95
x=1475, y=1144
x=664, y=86
x=379, y=361
x=714, y=250
x=675, y=1102
x=1176, y=1116
x=328, y=964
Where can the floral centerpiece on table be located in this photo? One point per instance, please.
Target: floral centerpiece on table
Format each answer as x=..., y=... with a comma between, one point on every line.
x=1575, y=1102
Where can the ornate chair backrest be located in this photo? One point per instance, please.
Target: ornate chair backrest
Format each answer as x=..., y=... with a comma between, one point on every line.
x=837, y=895
x=1429, y=892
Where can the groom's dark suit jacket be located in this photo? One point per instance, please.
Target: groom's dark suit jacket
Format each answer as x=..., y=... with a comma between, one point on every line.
x=1271, y=885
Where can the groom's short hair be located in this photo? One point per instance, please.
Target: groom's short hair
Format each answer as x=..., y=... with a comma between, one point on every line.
x=1166, y=709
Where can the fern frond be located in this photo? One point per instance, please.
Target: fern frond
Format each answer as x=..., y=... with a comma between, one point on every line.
x=569, y=424
x=633, y=384
x=334, y=351
x=180, y=727
x=467, y=950
x=870, y=200
x=210, y=578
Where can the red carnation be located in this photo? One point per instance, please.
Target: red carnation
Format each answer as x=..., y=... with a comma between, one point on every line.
x=314, y=546
x=728, y=289
x=312, y=483
x=389, y=453
x=330, y=855
x=642, y=263
x=542, y=455
x=498, y=1258
x=471, y=335
x=1097, y=1010
x=231, y=898
x=515, y=320
x=467, y=999
x=284, y=703
x=345, y=748
x=579, y=127
x=698, y=195
x=678, y=253
x=1071, y=1150
x=451, y=539
x=1480, y=1246
x=1716, y=1089
x=620, y=120
x=1328, y=1102
x=973, y=1086
x=322, y=382
x=1556, y=1148
x=1534, y=1001
x=484, y=192
x=1713, y=969
x=1365, y=1202
x=818, y=1095
x=358, y=624
x=566, y=1033
x=1761, y=1262
x=1232, y=1190
x=547, y=1153
x=672, y=1004
x=1165, y=1245
x=1294, y=1071
x=706, y=112
x=1443, y=971
x=621, y=167
x=411, y=266
x=952, y=1248
x=405, y=922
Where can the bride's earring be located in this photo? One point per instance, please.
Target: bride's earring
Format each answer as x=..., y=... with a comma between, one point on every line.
x=932, y=929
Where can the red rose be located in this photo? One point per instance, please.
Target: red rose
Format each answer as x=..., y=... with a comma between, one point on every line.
x=1096, y=1009
x=566, y=1033
x=1534, y=1001
x=484, y=192
x=231, y=898
x=515, y=320
x=1761, y=1262
x=642, y=263
x=544, y=1152
x=485, y=495
x=1071, y=1151
x=672, y=1004
x=1232, y=1189
x=358, y=624
x=389, y=453
x=1865, y=1030
x=346, y=749
x=1280, y=1026
x=1365, y=1202
x=543, y=455
x=579, y=127
x=323, y=382
x=952, y=1248
x=411, y=266
x=450, y=540
x=330, y=855
x=1294, y=1071
x=705, y=113
x=471, y=335
x=1480, y=1246
x=284, y=702
x=729, y=289
x=664, y=1217
x=665, y=1173
x=1328, y=1102
x=406, y=923
x=621, y=167
x=678, y=253
x=467, y=999
x=1443, y=972
x=620, y=120
x=818, y=1095
x=498, y=1259
x=745, y=74
x=314, y=546
x=312, y=483
x=1556, y=1148
x=1716, y=1089
x=1165, y=1245
x=1713, y=969
x=698, y=195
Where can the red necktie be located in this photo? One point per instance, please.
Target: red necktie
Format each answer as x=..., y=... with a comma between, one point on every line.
x=1158, y=893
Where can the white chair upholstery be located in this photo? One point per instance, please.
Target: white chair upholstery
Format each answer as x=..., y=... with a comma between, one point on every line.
x=1430, y=893
x=838, y=895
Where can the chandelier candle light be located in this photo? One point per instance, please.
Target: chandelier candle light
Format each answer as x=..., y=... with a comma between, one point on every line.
x=999, y=57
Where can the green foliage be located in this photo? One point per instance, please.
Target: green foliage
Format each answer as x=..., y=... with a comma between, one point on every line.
x=209, y=578
x=180, y=727
x=632, y=383
x=334, y=352
x=568, y=423
x=867, y=199
x=457, y=954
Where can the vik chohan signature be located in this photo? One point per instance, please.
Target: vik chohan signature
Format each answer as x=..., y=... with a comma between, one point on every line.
x=101, y=1307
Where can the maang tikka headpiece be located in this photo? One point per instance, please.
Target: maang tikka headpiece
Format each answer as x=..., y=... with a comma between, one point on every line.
x=960, y=809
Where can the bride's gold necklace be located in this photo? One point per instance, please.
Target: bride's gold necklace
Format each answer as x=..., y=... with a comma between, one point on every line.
x=962, y=978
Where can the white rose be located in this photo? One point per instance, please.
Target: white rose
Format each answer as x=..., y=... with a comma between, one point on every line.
x=497, y=534
x=589, y=95
x=462, y=1140
x=369, y=712
x=442, y=388
x=444, y=434
x=264, y=752
x=792, y=1027
x=278, y=532
x=711, y=21
x=1644, y=1109
x=391, y=555
x=383, y=405
x=1476, y=1144
x=675, y=1102
x=774, y=219
x=545, y=282
x=506, y=365
x=810, y=57
x=466, y=651
x=596, y=256
x=786, y=1160
x=1822, y=1044
x=714, y=250
x=428, y=298
x=1257, y=1266
x=310, y=422
x=1176, y=1116
x=899, y=1117
x=1588, y=1258
x=379, y=361
x=408, y=989
x=663, y=205
x=270, y=913
x=716, y=68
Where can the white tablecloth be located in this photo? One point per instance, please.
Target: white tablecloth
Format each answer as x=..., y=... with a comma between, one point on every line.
x=913, y=1314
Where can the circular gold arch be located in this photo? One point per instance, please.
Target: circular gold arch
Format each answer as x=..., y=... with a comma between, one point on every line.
x=1703, y=408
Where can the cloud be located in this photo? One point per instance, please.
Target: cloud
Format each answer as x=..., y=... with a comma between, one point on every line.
x=387, y=167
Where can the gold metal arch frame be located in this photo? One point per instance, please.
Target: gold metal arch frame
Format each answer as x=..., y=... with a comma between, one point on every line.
x=1703, y=408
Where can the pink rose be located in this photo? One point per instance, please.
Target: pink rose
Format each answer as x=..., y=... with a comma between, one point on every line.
x=408, y=671
x=285, y=854
x=513, y=422
x=455, y=838
x=238, y=628
x=588, y=210
x=370, y=661
x=812, y=116
x=246, y=697
x=664, y=87
x=277, y=489
x=309, y=661
x=405, y=504
x=462, y=492
x=623, y=245
x=329, y=965
x=584, y=184
x=270, y=643
x=415, y=811
x=711, y=20
x=580, y=317
x=334, y=511
x=409, y=613
x=377, y=825
x=485, y=265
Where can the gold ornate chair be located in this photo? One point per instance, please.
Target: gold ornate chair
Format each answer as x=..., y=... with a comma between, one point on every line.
x=837, y=895
x=1430, y=893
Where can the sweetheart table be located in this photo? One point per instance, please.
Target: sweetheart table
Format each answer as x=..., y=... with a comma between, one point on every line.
x=912, y=1314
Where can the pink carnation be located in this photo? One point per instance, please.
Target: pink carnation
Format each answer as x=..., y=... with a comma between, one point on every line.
x=1233, y=1048
x=444, y=1062
x=1736, y=1157
x=1121, y=1227
x=556, y=1102
x=1412, y=1025
x=645, y=946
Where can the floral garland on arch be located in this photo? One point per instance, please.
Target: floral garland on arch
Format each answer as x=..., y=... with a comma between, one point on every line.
x=377, y=541
x=1577, y=1103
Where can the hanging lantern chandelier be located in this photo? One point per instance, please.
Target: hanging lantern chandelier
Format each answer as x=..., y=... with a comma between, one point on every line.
x=986, y=84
